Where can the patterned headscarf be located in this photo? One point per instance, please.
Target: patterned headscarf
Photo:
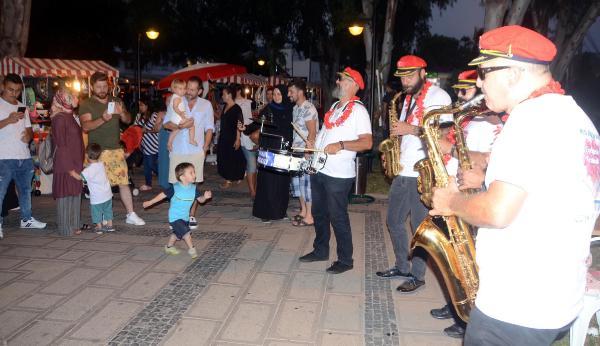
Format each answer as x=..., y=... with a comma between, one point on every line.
x=62, y=102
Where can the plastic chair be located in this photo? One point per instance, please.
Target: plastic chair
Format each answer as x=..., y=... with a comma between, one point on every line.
x=591, y=305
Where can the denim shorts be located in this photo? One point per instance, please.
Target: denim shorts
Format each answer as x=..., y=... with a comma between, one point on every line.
x=302, y=187
x=250, y=160
x=102, y=211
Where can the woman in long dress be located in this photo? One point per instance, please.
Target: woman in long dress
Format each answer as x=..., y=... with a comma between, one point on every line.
x=273, y=188
x=69, y=154
x=231, y=163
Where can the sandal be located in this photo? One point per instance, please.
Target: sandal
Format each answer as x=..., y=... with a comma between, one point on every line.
x=297, y=217
x=225, y=185
x=85, y=227
x=77, y=232
x=301, y=223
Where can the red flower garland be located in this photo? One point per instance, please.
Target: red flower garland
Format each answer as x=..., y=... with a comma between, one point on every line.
x=342, y=118
x=420, y=108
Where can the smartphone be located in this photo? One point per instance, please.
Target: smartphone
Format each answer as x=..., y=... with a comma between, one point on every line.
x=111, y=108
x=21, y=109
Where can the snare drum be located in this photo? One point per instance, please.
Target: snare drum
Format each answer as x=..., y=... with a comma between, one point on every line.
x=279, y=160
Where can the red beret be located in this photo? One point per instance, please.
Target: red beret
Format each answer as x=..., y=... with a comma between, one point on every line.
x=407, y=64
x=354, y=75
x=517, y=43
x=466, y=79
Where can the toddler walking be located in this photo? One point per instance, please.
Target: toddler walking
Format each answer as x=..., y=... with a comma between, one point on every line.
x=94, y=176
x=176, y=112
x=182, y=194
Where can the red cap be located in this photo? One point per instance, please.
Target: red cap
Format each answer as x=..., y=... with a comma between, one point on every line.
x=407, y=64
x=517, y=43
x=466, y=79
x=354, y=75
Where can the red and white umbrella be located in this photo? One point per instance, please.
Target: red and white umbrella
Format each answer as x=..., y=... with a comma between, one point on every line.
x=212, y=71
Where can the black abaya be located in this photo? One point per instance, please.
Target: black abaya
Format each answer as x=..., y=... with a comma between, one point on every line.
x=231, y=163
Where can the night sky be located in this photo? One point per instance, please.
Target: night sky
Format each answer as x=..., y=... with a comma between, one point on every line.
x=459, y=20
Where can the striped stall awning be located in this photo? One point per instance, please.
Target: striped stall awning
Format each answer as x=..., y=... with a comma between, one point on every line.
x=276, y=80
x=244, y=78
x=34, y=67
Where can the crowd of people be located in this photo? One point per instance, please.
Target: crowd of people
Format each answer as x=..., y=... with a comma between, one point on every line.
x=530, y=190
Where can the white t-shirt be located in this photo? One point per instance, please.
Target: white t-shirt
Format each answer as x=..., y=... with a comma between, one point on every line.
x=342, y=165
x=533, y=273
x=97, y=182
x=246, y=106
x=11, y=145
x=480, y=134
x=412, y=148
x=173, y=116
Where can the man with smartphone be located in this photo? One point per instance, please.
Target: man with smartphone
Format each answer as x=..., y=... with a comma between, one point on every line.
x=15, y=159
x=100, y=116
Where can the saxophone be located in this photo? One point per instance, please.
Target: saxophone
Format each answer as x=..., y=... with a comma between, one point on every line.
x=390, y=147
x=447, y=239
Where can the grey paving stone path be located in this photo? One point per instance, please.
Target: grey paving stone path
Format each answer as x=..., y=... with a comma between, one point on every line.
x=245, y=288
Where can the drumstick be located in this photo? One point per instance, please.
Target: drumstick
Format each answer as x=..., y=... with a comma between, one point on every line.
x=299, y=132
x=306, y=149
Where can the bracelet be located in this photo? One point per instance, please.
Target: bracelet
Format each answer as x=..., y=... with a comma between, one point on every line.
x=342, y=145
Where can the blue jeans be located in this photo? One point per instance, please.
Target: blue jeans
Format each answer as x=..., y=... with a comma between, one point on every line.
x=21, y=171
x=250, y=160
x=150, y=165
x=330, y=207
x=404, y=199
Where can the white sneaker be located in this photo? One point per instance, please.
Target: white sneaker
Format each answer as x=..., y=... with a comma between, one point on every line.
x=133, y=219
x=193, y=223
x=192, y=252
x=32, y=223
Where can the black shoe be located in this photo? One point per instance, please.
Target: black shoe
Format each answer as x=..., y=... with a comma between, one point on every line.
x=265, y=220
x=410, y=285
x=338, y=268
x=442, y=314
x=311, y=257
x=393, y=272
x=455, y=331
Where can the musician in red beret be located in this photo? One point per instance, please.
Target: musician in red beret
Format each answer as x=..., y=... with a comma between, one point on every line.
x=404, y=198
x=536, y=217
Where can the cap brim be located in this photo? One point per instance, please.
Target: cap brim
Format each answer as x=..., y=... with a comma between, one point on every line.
x=401, y=72
x=464, y=86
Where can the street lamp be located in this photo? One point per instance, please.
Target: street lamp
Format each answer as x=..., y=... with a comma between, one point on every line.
x=356, y=30
x=261, y=62
x=152, y=35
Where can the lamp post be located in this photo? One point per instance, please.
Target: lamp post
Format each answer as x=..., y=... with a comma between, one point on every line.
x=152, y=35
x=355, y=30
x=261, y=62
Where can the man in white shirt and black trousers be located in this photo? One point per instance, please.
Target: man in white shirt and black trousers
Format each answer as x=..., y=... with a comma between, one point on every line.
x=404, y=198
x=543, y=186
x=346, y=130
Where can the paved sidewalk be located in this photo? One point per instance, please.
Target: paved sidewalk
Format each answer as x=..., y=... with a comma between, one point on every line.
x=245, y=288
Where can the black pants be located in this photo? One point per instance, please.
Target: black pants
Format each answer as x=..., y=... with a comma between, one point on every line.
x=484, y=330
x=330, y=208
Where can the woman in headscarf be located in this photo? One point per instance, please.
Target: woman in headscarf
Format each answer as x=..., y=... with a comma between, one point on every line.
x=69, y=155
x=273, y=188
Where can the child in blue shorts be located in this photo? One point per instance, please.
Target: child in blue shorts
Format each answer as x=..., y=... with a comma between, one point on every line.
x=182, y=194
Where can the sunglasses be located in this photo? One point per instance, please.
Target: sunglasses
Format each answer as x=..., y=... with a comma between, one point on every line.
x=482, y=71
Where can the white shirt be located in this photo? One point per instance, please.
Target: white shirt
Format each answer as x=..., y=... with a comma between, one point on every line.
x=204, y=120
x=11, y=145
x=533, y=273
x=172, y=115
x=412, y=148
x=97, y=182
x=342, y=165
x=246, y=106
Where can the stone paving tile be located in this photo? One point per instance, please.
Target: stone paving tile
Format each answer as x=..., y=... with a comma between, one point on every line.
x=122, y=274
x=101, y=246
x=62, y=243
x=307, y=286
x=292, y=240
x=296, y=320
x=173, y=264
x=253, y=250
x=9, y=276
x=12, y=320
x=75, y=342
x=73, y=255
x=14, y=291
x=107, y=321
x=248, y=323
x=147, y=286
x=261, y=233
x=26, y=240
x=339, y=339
x=8, y=263
x=237, y=272
x=266, y=287
x=32, y=252
x=285, y=343
x=279, y=261
x=149, y=253
x=429, y=339
x=343, y=312
x=40, y=301
x=80, y=304
x=72, y=281
x=125, y=238
x=41, y=333
x=215, y=302
x=350, y=282
x=45, y=270
x=102, y=260
x=413, y=316
x=191, y=332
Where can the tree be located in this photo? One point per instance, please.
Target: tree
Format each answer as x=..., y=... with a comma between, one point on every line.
x=14, y=27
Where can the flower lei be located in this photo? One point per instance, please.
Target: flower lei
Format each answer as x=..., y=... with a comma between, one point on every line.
x=342, y=118
x=419, y=104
